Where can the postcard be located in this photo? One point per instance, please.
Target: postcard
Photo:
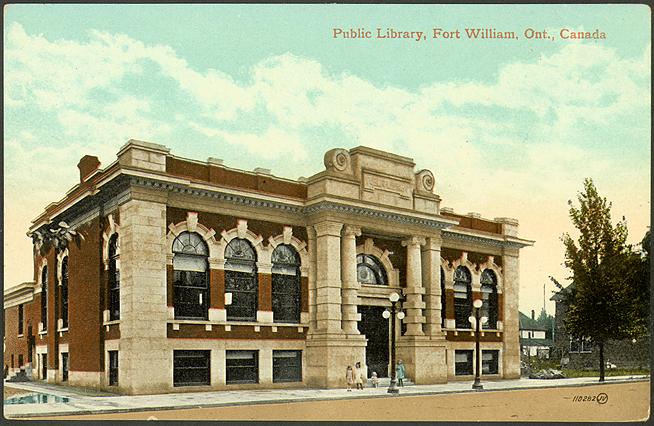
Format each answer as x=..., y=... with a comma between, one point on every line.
x=327, y=212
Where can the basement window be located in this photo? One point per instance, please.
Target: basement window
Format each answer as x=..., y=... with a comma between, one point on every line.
x=462, y=363
x=191, y=368
x=242, y=367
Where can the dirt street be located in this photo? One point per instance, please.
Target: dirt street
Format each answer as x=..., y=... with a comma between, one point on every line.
x=616, y=402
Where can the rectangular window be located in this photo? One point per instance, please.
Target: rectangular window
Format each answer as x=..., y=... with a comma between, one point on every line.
x=191, y=294
x=242, y=367
x=243, y=286
x=114, y=291
x=287, y=366
x=113, y=368
x=44, y=366
x=64, y=366
x=286, y=298
x=20, y=360
x=462, y=305
x=191, y=368
x=489, y=362
x=462, y=363
x=44, y=298
x=20, y=319
x=582, y=345
x=64, y=293
x=12, y=360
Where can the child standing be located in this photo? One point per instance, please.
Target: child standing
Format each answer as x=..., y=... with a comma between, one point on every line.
x=349, y=377
x=375, y=380
x=358, y=375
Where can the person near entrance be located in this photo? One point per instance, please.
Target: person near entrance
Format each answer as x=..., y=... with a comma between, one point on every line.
x=399, y=372
x=349, y=377
x=358, y=375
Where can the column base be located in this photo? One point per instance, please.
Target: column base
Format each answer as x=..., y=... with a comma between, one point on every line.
x=327, y=357
x=424, y=359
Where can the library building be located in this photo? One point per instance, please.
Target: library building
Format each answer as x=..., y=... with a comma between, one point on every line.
x=158, y=274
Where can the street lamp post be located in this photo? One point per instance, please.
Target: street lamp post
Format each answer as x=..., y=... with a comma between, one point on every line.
x=396, y=310
x=477, y=319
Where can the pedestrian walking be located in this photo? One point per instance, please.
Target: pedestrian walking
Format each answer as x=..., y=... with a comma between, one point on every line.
x=399, y=373
x=358, y=375
x=349, y=378
x=375, y=380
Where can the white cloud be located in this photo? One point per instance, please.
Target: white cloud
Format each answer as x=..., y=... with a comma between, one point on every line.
x=512, y=146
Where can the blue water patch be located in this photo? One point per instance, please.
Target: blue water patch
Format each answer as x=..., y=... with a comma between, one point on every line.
x=36, y=398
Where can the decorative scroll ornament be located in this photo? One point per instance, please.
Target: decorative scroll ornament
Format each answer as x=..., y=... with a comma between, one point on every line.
x=337, y=159
x=57, y=236
x=425, y=180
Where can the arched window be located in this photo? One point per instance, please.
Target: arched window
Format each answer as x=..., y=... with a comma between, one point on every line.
x=241, y=280
x=462, y=297
x=114, y=279
x=370, y=270
x=489, y=308
x=44, y=297
x=443, y=298
x=64, y=292
x=191, y=277
x=285, y=284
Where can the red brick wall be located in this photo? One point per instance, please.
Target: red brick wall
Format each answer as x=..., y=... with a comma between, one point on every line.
x=86, y=334
x=18, y=345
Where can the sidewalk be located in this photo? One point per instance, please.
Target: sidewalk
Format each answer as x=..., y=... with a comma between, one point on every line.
x=80, y=403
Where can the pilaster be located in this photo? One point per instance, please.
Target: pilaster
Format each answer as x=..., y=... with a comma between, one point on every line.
x=431, y=280
x=414, y=305
x=350, y=317
x=311, y=277
x=511, y=275
x=328, y=277
x=145, y=362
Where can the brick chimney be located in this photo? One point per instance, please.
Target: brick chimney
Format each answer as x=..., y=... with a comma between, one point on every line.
x=87, y=166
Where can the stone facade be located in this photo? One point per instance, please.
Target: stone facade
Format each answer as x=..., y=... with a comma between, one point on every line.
x=366, y=204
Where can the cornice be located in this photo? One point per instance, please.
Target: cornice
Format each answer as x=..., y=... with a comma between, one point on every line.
x=487, y=241
x=328, y=206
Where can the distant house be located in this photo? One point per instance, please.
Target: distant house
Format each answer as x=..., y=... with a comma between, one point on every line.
x=535, y=337
x=582, y=354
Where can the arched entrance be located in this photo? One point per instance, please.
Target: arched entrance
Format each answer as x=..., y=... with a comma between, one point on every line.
x=376, y=330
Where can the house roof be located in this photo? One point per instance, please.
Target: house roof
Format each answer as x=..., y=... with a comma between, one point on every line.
x=527, y=323
x=558, y=296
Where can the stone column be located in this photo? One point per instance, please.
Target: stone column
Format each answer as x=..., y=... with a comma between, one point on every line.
x=431, y=279
x=414, y=305
x=349, y=279
x=328, y=277
x=511, y=334
x=311, y=237
x=328, y=349
x=144, y=359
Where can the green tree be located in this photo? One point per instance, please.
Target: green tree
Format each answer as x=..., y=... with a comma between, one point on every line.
x=605, y=270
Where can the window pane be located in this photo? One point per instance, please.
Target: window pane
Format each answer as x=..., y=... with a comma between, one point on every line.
x=287, y=366
x=489, y=362
x=191, y=368
x=286, y=298
x=463, y=362
x=370, y=270
x=242, y=367
x=243, y=287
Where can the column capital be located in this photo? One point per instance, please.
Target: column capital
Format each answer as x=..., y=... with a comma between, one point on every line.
x=414, y=241
x=351, y=231
x=434, y=242
x=328, y=228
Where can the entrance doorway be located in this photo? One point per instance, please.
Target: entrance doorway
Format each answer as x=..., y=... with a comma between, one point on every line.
x=375, y=328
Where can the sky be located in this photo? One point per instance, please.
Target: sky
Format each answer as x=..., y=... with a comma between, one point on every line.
x=509, y=127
